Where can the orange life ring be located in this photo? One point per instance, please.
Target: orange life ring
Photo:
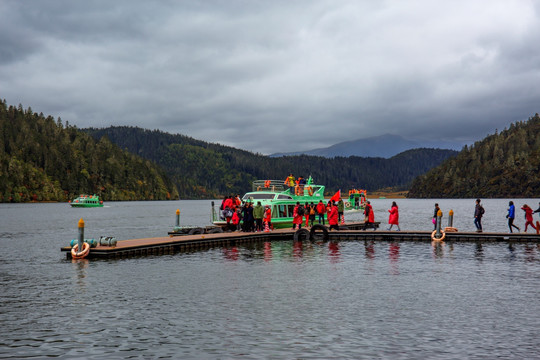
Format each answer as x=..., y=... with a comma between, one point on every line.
x=310, y=190
x=83, y=253
x=450, y=229
x=434, y=238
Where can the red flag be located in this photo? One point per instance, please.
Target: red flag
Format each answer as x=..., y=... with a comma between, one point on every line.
x=336, y=196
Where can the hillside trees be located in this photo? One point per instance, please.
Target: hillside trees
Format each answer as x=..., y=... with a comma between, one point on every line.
x=505, y=164
x=205, y=170
x=41, y=160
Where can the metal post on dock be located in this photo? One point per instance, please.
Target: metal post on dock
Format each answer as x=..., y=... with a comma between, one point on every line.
x=439, y=218
x=451, y=218
x=81, y=235
x=177, y=217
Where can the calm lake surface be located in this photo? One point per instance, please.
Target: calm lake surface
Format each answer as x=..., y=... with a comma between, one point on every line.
x=279, y=300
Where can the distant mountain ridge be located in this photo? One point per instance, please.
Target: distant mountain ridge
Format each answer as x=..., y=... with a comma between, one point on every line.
x=384, y=146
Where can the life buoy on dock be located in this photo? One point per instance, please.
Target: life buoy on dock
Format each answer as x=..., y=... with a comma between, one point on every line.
x=314, y=234
x=436, y=239
x=302, y=234
x=450, y=229
x=82, y=254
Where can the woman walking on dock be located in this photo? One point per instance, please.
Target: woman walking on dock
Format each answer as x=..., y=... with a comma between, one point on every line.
x=394, y=217
x=511, y=215
x=528, y=217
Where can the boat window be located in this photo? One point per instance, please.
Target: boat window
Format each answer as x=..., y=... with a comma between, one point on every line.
x=291, y=210
x=284, y=197
x=280, y=211
x=258, y=196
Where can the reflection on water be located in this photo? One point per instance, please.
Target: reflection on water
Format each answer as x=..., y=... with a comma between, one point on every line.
x=279, y=299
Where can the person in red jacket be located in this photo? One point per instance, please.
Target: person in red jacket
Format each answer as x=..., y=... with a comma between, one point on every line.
x=528, y=216
x=369, y=216
x=394, y=216
x=268, y=216
x=298, y=214
x=228, y=209
x=236, y=220
x=321, y=209
x=333, y=218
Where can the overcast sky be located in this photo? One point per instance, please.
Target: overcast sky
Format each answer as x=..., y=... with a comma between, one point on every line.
x=276, y=76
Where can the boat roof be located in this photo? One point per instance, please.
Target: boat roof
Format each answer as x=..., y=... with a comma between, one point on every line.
x=277, y=190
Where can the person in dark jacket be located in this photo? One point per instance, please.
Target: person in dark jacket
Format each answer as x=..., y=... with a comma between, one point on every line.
x=478, y=213
x=511, y=216
x=248, y=217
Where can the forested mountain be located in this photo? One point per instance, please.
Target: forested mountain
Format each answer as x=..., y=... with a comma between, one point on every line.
x=204, y=170
x=506, y=164
x=44, y=160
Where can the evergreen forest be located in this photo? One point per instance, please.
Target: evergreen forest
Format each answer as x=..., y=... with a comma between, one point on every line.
x=503, y=165
x=206, y=170
x=42, y=159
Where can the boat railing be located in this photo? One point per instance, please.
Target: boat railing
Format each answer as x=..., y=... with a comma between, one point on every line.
x=269, y=185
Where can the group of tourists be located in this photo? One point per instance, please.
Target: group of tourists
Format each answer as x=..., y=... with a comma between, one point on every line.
x=245, y=216
x=511, y=215
x=297, y=185
x=249, y=218
x=333, y=211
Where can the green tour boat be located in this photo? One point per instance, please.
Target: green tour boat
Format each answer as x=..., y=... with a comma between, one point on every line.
x=357, y=200
x=281, y=199
x=87, y=201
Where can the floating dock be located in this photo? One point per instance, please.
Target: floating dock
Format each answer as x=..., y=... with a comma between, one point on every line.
x=355, y=232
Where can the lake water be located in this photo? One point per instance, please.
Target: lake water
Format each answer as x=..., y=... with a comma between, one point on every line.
x=350, y=299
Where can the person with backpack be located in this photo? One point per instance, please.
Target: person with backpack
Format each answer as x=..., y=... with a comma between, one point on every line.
x=298, y=214
x=312, y=213
x=478, y=213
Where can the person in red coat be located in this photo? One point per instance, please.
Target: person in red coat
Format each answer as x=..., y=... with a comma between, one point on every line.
x=394, y=216
x=528, y=216
x=297, y=216
x=333, y=218
x=369, y=216
x=321, y=209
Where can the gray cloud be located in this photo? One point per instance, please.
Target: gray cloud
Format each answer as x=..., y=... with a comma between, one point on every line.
x=276, y=76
